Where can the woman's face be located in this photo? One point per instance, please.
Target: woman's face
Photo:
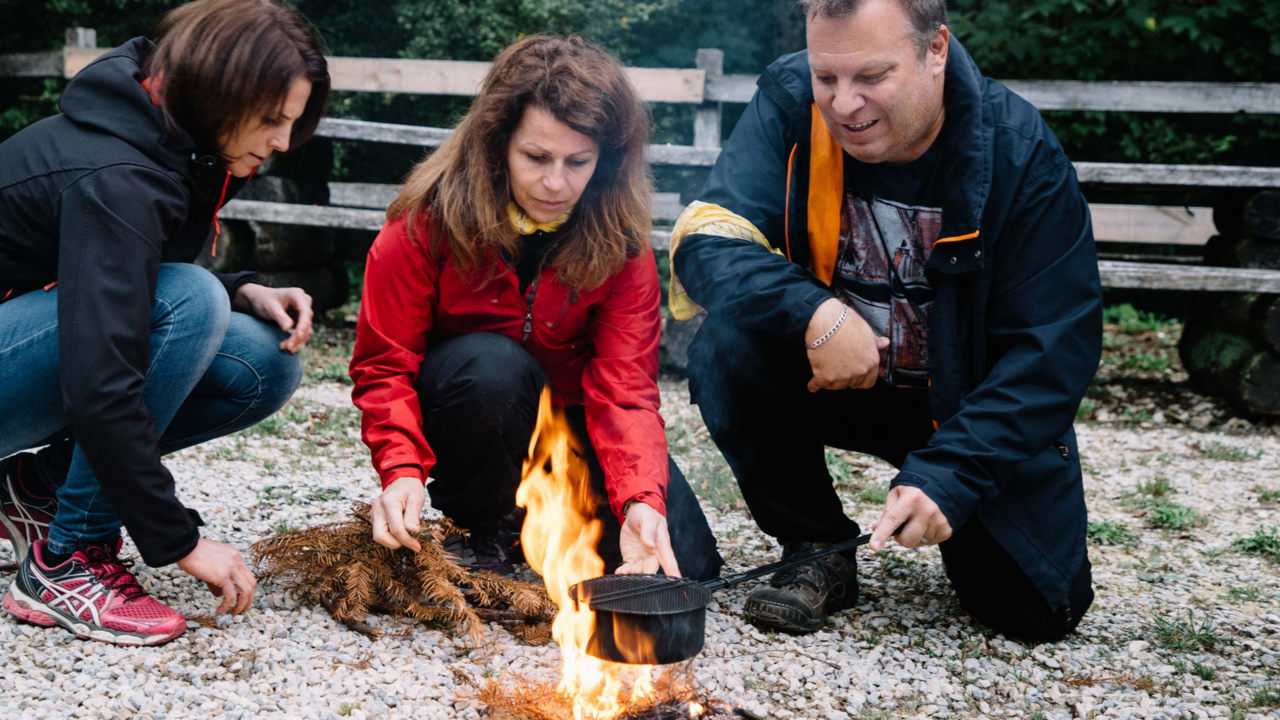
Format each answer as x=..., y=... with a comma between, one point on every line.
x=549, y=164
x=254, y=143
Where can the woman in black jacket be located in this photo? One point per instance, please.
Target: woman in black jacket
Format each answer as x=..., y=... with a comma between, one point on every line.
x=111, y=337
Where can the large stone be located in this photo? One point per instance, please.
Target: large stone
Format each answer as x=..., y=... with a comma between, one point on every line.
x=327, y=286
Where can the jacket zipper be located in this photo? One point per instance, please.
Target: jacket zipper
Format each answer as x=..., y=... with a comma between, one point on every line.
x=528, y=309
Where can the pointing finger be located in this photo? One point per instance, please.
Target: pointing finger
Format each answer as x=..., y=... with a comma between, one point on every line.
x=228, y=597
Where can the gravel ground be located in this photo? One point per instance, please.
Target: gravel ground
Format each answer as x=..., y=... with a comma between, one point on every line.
x=1184, y=625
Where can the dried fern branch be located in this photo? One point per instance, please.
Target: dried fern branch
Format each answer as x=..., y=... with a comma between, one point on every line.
x=339, y=567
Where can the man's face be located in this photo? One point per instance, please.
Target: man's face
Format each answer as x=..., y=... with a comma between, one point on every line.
x=880, y=101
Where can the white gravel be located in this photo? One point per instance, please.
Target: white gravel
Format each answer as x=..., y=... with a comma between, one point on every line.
x=904, y=652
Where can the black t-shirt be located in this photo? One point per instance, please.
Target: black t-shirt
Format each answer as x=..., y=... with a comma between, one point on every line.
x=891, y=217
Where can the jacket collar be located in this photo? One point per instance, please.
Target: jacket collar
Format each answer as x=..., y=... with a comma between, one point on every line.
x=108, y=96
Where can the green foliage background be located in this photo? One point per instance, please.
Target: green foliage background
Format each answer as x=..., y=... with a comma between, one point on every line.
x=1202, y=40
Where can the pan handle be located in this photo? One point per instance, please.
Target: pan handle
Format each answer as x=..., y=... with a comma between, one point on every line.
x=793, y=561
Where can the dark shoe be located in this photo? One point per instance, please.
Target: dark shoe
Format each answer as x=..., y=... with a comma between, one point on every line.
x=25, y=509
x=799, y=599
x=482, y=550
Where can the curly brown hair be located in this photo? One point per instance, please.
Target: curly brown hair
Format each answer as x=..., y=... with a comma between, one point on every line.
x=464, y=185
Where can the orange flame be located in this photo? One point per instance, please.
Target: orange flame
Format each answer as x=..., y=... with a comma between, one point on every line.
x=559, y=538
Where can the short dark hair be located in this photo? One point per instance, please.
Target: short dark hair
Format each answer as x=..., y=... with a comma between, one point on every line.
x=926, y=16
x=223, y=63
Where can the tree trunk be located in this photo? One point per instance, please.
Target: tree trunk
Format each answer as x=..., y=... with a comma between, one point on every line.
x=1233, y=367
x=1225, y=251
x=1262, y=216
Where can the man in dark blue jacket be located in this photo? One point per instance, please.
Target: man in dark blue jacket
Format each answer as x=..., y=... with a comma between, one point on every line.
x=896, y=259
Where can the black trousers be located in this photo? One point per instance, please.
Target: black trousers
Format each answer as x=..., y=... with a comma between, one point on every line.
x=752, y=393
x=479, y=395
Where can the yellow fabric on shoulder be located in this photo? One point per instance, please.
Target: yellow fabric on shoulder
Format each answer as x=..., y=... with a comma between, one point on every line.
x=706, y=219
x=526, y=225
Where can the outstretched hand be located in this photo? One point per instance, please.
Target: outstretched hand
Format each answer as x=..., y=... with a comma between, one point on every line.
x=848, y=359
x=290, y=308
x=645, y=543
x=912, y=517
x=224, y=572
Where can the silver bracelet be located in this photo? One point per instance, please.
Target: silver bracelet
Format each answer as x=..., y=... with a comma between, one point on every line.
x=833, y=329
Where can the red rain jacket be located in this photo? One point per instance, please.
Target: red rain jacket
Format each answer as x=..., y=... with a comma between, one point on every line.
x=599, y=349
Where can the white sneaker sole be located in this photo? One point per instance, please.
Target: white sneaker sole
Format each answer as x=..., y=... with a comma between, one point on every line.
x=17, y=603
x=19, y=541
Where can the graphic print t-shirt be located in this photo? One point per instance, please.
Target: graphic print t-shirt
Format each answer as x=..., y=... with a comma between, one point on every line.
x=891, y=217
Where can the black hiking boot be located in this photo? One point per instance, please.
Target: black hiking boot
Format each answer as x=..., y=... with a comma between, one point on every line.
x=799, y=599
x=483, y=550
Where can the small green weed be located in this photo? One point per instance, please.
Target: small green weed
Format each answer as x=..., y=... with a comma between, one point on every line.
x=1267, y=496
x=1169, y=515
x=1037, y=715
x=1172, y=633
x=281, y=528
x=1268, y=696
x=328, y=372
x=345, y=709
x=1158, y=487
x=1204, y=672
x=1086, y=409
x=1264, y=542
x=1128, y=319
x=875, y=495
x=1107, y=532
x=1244, y=593
x=1231, y=453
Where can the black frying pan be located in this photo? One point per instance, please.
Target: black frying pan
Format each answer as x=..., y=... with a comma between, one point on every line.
x=655, y=619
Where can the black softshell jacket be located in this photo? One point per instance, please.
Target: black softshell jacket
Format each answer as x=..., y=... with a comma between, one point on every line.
x=1016, y=330
x=96, y=199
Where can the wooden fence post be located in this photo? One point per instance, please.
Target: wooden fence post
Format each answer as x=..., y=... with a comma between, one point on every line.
x=706, y=124
x=82, y=38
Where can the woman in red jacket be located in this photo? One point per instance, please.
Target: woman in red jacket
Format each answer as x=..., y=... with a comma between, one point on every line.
x=517, y=256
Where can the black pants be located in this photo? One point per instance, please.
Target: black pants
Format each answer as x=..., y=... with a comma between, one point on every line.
x=479, y=395
x=752, y=394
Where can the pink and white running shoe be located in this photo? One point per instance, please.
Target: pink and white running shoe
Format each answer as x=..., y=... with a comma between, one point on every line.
x=25, y=508
x=94, y=595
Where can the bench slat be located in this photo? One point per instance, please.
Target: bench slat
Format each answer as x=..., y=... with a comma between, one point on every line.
x=1104, y=173
x=1163, y=225
x=1114, y=274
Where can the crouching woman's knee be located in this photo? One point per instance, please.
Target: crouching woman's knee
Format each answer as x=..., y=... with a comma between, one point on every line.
x=191, y=304
x=265, y=377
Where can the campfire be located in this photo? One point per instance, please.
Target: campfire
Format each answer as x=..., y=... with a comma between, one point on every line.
x=559, y=539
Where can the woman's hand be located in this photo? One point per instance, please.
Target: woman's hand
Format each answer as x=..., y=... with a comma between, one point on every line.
x=290, y=308
x=398, y=512
x=222, y=569
x=645, y=543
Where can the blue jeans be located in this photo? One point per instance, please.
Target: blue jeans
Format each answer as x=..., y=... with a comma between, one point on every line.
x=210, y=372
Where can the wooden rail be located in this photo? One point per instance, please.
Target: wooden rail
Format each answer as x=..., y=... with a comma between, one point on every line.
x=679, y=85
x=360, y=205
x=690, y=156
x=1111, y=223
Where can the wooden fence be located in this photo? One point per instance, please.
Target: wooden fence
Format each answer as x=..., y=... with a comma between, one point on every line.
x=358, y=205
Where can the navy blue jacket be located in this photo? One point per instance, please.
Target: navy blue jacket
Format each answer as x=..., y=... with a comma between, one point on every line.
x=1015, y=334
